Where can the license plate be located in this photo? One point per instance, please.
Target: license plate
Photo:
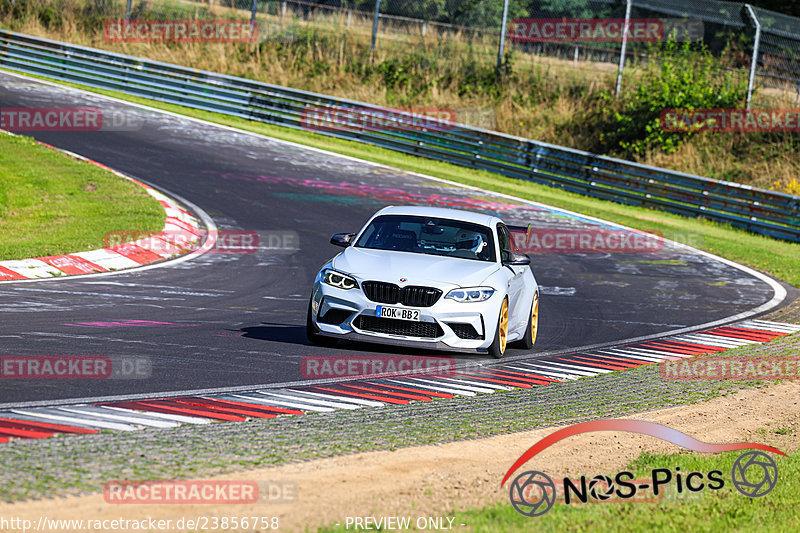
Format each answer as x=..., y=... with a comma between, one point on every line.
x=397, y=312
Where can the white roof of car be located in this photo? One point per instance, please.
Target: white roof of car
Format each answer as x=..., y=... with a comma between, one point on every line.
x=441, y=212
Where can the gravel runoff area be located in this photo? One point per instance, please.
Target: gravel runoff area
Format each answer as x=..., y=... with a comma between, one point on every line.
x=72, y=465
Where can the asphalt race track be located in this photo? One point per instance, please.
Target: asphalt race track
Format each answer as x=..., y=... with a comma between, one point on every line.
x=236, y=320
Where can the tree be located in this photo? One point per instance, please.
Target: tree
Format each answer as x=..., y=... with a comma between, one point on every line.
x=787, y=7
x=483, y=13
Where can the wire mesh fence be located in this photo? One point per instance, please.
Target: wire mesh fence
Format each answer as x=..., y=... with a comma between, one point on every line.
x=757, y=43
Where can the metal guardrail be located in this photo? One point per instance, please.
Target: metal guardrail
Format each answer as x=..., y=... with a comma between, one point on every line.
x=757, y=210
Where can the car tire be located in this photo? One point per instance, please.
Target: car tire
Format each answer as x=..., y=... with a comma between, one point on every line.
x=529, y=339
x=500, y=343
x=312, y=334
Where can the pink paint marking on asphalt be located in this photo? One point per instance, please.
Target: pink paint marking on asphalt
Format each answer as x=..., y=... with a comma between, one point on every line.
x=129, y=324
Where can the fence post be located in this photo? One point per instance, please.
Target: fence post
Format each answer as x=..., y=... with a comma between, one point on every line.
x=253, y=9
x=283, y=12
x=754, y=60
x=375, y=25
x=624, y=47
x=502, y=48
x=349, y=17
x=128, y=10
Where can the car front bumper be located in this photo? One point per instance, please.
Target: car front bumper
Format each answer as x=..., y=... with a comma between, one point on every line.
x=353, y=303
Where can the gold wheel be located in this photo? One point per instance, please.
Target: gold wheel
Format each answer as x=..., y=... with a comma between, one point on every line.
x=535, y=318
x=503, y=326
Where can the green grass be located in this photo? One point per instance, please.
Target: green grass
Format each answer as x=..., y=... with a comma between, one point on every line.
x=52, y=204
x=722, y=510
x=778, y=258
x=709, y=510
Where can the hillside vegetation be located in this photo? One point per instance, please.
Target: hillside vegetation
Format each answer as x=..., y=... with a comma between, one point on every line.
x=547, y=99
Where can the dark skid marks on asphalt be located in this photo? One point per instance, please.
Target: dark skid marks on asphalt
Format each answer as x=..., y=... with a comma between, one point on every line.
x=252, y=328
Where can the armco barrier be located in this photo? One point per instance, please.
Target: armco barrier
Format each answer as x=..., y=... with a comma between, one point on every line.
x=760, y=211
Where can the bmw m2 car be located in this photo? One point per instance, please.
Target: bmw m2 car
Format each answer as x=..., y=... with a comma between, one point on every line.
x=427, y=277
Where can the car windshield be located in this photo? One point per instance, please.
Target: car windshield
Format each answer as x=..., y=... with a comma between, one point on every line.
x=426, y=235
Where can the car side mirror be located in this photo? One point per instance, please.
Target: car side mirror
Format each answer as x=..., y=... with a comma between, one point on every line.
x=516, y=259
x=343, y=239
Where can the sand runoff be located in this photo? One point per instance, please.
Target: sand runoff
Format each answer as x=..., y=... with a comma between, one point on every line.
x=429, y=482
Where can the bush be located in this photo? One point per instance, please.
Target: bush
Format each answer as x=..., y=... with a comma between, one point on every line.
x=49, y=17
x=679, y=77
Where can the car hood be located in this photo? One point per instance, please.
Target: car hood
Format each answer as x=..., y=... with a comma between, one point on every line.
x=417, y=269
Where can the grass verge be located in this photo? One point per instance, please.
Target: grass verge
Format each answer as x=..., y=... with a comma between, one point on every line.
x=776, y=258
x=724, y=509
x=53, y=204
x=82, y=464
x=557, y=100
x=709, y=510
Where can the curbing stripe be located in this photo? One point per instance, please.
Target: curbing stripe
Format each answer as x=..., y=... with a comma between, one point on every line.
x=56, y=428
x=305, y=394
x=114, y=258
x=53, y=415
x=366, y=392
x=132, y=418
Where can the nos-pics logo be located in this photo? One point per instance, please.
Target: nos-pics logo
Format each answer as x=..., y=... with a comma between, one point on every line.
x=533, y=493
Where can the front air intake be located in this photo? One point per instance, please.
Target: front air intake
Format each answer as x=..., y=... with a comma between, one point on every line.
x=412, y=296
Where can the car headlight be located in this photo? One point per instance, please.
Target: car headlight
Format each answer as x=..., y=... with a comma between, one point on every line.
x=471, y=294
x=339, y=280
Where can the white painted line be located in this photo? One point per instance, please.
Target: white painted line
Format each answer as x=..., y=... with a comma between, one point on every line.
x=479, y=381
x=779, y=293
x=541, y=371
x=436, y=388
x=590, y=370
x=38, y=271
x=132, y=418
x=630, y=354
x=476, y=383
x=707, y=340
x=183, y=419
x=69, y=419
x=32, y=268
x=257, y=397
x=694, y=345
x=455, y=384
x=657, y=355
x=652, y=352
x=731, y=341
x=768, y=329
x=564, y=368
x=776, y=327
x=313, y=401
x=734, y=338
x=332, y=397
x=107, y=259
x=774, y=323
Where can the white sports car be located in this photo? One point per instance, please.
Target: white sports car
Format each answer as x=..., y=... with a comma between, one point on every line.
x=429, y=277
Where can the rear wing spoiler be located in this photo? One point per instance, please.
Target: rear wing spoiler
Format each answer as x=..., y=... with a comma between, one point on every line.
x=519, y=229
